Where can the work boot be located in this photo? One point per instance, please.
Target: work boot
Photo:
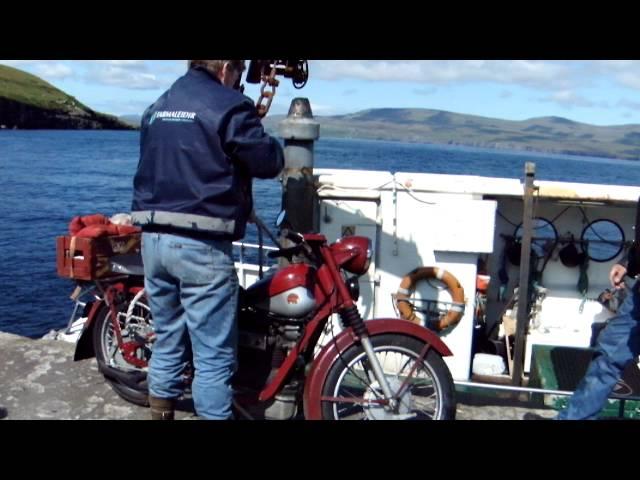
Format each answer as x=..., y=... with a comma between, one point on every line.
x=161, y=408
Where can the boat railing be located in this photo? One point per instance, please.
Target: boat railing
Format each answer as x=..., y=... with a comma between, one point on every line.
x=248, y=272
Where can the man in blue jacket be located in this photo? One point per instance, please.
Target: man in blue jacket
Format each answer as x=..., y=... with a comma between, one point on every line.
x=201, y=143
x=616, y=346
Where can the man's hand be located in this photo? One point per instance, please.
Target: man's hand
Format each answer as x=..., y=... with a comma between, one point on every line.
x=616, y=275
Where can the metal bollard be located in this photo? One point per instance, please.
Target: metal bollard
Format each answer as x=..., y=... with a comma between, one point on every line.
x=299, y=131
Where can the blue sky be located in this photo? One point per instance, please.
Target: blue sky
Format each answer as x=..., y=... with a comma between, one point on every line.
x=589, y=91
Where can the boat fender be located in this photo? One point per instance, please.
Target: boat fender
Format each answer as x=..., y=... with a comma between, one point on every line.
x=408, y=286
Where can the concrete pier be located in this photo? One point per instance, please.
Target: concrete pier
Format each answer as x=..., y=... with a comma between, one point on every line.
x=39, y=380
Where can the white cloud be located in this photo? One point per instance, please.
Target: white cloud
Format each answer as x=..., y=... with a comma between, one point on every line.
x=537, y=74
x=17, y=63
x=629, y=104
x=174, y=67
x=48, y=69
x=624, y=72
x=630, y=79
x=53, y=70
x=616, y=63
x=131, y=75
x=569, y=99
x=136, y=64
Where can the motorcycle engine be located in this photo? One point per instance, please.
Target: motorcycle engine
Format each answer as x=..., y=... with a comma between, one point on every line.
x=264, y=341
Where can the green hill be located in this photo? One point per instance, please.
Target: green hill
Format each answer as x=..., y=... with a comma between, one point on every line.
x=28, y=102
x=544, y=134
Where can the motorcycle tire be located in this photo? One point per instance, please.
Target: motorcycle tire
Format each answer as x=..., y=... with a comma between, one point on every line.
x=430, y=397
x=132, y=395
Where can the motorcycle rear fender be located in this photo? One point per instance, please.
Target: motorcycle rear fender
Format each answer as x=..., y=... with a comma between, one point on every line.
x=323, y=362
x=84, y=345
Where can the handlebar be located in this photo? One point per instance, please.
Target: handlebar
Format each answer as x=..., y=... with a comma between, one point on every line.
x=295, y=237
x=301, y=246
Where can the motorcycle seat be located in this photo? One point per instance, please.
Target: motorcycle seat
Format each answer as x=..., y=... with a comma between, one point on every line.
x=129, y=264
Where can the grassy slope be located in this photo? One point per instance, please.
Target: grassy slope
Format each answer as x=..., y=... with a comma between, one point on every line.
x=26, y=88
x=31, y=90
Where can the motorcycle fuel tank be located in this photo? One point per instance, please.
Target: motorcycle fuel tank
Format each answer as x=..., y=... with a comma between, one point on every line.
x=286, y=291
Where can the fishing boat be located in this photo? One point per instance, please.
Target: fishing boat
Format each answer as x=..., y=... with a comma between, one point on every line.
x=472, y=229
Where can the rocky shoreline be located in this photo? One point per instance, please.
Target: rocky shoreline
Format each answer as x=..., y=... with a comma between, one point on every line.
x=17, y=115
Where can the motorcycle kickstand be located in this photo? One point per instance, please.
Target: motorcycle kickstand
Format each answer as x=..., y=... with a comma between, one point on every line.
x=242, y=410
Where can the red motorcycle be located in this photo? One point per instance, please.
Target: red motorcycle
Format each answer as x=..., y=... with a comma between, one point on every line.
x=375, y=370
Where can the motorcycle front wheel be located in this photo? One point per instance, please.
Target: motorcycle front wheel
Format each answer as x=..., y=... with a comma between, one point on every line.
x=426, y=388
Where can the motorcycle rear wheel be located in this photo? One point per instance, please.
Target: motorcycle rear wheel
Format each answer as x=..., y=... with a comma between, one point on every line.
x=350, y=388
x=128, y=381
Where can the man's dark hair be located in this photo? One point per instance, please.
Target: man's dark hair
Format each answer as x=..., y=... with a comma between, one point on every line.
x=215, y=66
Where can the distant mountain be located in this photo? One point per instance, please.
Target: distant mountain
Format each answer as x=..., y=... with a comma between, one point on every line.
x=28, y=102
x=543, y=134
x=133, y=120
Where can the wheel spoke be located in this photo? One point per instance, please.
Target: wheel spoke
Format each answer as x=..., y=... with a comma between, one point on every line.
x=356, y=393
x=354, y=400
x=355, y=416
x=138, y=323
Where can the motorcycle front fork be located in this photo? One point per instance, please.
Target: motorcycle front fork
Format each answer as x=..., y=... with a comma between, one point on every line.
x=351, y=318
x=378, y=372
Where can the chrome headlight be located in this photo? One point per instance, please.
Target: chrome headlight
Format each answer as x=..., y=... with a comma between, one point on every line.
x=369, y=256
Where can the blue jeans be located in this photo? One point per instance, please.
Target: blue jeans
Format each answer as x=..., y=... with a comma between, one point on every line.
x=617, y=345
x=192, y=288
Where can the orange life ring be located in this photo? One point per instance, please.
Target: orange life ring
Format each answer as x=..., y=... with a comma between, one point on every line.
x=408, y=286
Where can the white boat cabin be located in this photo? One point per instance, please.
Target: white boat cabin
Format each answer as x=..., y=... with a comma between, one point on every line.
x=468, y=225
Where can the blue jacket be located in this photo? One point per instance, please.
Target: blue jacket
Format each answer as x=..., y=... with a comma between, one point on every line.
x=201, y=143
